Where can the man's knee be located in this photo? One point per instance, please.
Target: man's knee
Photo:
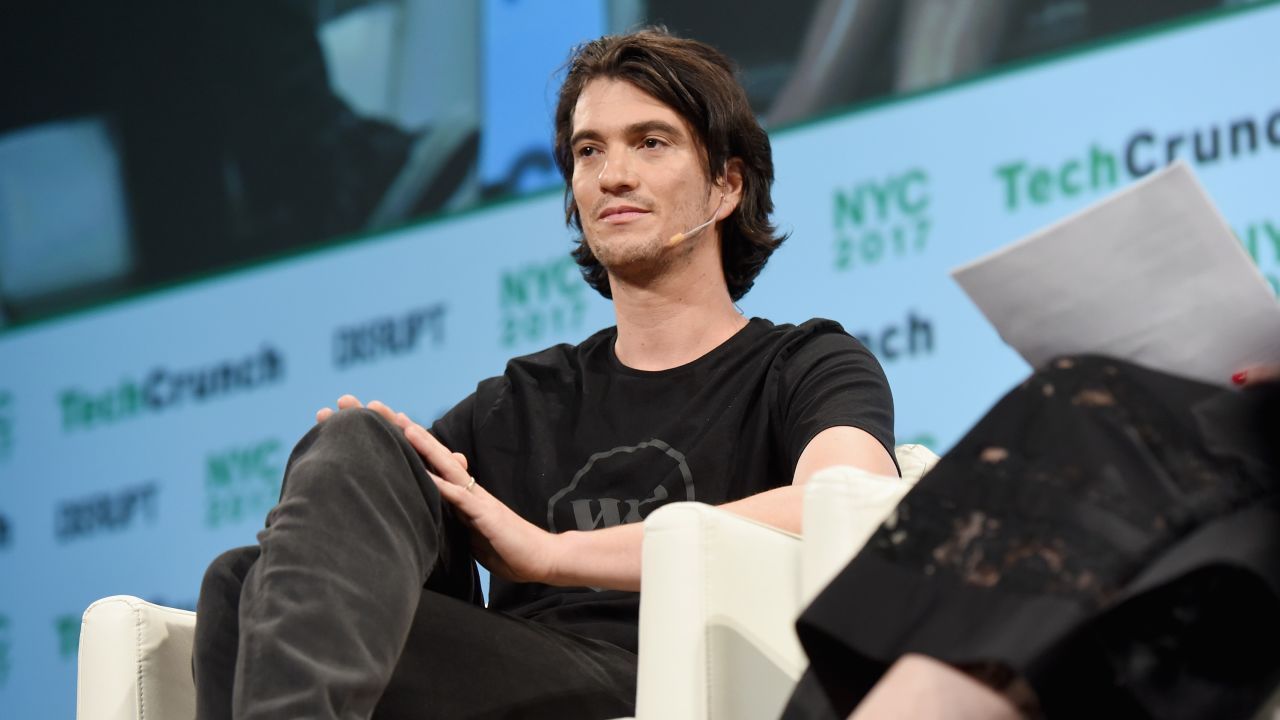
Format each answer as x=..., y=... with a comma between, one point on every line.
x=359, y=433
x=359, y=423
x=360, y=450
x=357, y=440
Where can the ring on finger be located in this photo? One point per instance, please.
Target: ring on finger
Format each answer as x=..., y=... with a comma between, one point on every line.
x=469, y=485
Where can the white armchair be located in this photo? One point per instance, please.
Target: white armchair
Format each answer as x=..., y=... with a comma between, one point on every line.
x=721, y=594
x=135, y=661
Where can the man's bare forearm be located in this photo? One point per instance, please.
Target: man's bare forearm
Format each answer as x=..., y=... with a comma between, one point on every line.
x=610, y=557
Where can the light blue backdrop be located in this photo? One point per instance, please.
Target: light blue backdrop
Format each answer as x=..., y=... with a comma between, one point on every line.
x=117, y=496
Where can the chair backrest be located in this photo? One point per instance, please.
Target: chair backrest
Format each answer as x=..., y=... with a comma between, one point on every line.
x=135, y=661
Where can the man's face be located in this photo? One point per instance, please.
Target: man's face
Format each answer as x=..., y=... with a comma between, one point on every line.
x=638, y=177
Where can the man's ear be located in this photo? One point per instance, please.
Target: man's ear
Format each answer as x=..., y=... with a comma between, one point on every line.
x=730, y=184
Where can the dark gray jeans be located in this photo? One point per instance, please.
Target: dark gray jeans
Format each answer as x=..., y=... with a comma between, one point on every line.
x=362, y=600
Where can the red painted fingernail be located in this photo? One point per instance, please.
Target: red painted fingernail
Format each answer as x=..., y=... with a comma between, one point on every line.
x=1238, y=378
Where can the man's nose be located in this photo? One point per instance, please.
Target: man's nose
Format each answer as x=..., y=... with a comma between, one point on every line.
x=617, y=173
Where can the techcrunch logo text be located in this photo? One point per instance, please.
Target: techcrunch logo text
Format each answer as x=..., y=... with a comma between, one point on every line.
x=1101, y=167
x=909, y=339
x=164, y=388
x=882, y=218
x=242, y=483
x=383, y=337
x=542, y=299
x=106, y=512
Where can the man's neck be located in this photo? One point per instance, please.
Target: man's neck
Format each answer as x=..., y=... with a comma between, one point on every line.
x=675, y=319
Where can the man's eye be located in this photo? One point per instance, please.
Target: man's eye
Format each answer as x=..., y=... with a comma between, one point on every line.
x=586, y=151
x=653, y=142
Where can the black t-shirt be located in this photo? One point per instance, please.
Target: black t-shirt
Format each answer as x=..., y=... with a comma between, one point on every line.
x=570, y=438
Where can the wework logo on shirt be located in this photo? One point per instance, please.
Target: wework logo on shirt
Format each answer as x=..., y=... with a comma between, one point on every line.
x=542, y=300
x=881, y=219
x=621, y=485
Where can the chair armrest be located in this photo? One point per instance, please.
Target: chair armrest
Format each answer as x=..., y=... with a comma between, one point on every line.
x=135, y=661
x=719, y=597
x=914, y=460
x=843, y=506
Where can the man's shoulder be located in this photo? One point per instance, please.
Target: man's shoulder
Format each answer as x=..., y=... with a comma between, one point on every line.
x=817, y=342
x=561, y=358
x=814, y=330
x=556, y=368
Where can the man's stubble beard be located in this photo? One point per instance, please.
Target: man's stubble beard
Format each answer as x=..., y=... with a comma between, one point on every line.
x=639, y=262
x=636, y=263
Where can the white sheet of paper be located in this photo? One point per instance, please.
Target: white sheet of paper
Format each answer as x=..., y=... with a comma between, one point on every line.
x=1152, y=274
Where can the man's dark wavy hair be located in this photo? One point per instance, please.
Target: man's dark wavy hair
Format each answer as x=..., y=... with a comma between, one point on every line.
x=698, y=82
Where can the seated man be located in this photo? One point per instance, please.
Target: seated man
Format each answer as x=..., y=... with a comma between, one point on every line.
x=361, y=597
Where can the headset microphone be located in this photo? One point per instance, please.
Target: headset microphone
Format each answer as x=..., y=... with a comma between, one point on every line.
x=682, y=236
